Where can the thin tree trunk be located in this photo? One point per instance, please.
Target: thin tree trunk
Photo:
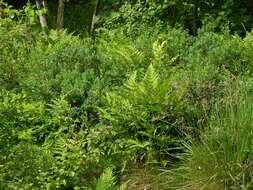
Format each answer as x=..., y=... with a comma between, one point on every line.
x=60, y=15
x=93, y=20
x=42, y=16
x=195, y=17
x=44, y=4
x=1, y=10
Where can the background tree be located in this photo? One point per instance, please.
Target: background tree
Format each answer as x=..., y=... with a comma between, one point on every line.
x=60, y=14
x=1, y=10
x=93, y=20
x=42, y=7
x=191, y=14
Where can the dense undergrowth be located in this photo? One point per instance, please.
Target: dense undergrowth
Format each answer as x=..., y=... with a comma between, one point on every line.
x=154, y=108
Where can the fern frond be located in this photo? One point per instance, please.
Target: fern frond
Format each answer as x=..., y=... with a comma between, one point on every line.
x=159, y=50
x=123, y=186
x=106, y=181
x=131, y=82
x=151, y=79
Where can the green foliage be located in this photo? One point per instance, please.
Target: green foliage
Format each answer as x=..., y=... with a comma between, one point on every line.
x=73, y=108
x=16, y=41
x=145, y=113
x=63, y=58
x=107, y=181
x=192, y=15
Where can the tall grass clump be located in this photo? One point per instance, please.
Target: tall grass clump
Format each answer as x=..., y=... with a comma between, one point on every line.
x=223, y=159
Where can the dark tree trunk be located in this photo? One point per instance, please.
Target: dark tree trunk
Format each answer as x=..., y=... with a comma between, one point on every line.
x=249, y=3
x=195, y=17
x=1, y=10
x=60, y=15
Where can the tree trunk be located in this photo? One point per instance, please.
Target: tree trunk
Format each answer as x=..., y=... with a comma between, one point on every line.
x=93, y=20
x=44, y=4
x=195, y=17
x=1, y=10
x=42, y=16
x=60, y=15
x=249, y=3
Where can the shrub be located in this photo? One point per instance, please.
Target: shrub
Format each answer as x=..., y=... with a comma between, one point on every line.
x=16, y=42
